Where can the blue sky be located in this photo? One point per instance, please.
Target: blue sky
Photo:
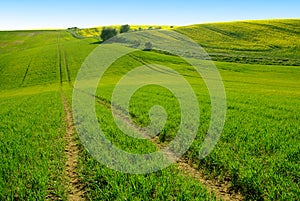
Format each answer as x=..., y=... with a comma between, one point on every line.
x=16, y=14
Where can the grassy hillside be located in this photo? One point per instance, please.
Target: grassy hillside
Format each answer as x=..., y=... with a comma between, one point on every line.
x=258, y=153
x=32, y=128
x=95, y=31
x=29, y=58
x=258, y=150
x=275, y=42
x=264, y=41
x=36, y=68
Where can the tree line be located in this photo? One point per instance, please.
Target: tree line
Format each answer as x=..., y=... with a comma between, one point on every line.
x=108, y=32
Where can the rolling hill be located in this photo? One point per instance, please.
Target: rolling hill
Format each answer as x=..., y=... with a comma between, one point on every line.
x=270, y=42
x=256, y=157
x=263, y=41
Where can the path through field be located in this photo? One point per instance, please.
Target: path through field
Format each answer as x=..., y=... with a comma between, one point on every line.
x=75, y=187
x=41, y=157
x=222, y=190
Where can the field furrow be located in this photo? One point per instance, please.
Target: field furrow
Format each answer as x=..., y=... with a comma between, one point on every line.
x=74, y=185
x=67, y=66
x=26, y=72
x=59, y=58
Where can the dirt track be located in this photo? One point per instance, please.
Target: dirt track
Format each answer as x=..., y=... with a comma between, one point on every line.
x=75, y=187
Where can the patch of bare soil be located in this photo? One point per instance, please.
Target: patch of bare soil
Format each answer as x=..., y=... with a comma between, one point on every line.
x=75, y=188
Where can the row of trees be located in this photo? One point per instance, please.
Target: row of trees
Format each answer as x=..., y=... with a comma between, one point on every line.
x=108, y=32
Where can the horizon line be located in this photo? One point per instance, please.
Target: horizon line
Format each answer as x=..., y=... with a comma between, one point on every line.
x=205, y=22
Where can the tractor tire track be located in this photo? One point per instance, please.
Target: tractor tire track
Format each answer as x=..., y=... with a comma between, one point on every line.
x=67, y=66
x=26, y=72
x=75, y=188
x=59, y=59
x=222, y=190
x=157, y=68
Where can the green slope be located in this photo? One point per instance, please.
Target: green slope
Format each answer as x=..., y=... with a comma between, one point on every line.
x=29, y=58
x=35, y=67
x=263, y=41
x=258, y=151
x=257, y=154
x=32, y=120
x=274, y=42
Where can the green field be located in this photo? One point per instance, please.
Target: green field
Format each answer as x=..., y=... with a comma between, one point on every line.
x=257, y=154
x=260, y=42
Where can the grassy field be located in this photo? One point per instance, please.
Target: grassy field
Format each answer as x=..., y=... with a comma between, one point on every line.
x=274, y=42
x=33, y=68
x=258, y=153
x=31, y=146
x=261, y=42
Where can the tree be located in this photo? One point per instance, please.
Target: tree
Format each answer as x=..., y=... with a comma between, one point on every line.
x=148, y=46
x=124, y=28
x=108, y=33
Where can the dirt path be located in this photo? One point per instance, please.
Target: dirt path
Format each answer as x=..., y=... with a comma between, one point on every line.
x=222, y=190
x=75, y=187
